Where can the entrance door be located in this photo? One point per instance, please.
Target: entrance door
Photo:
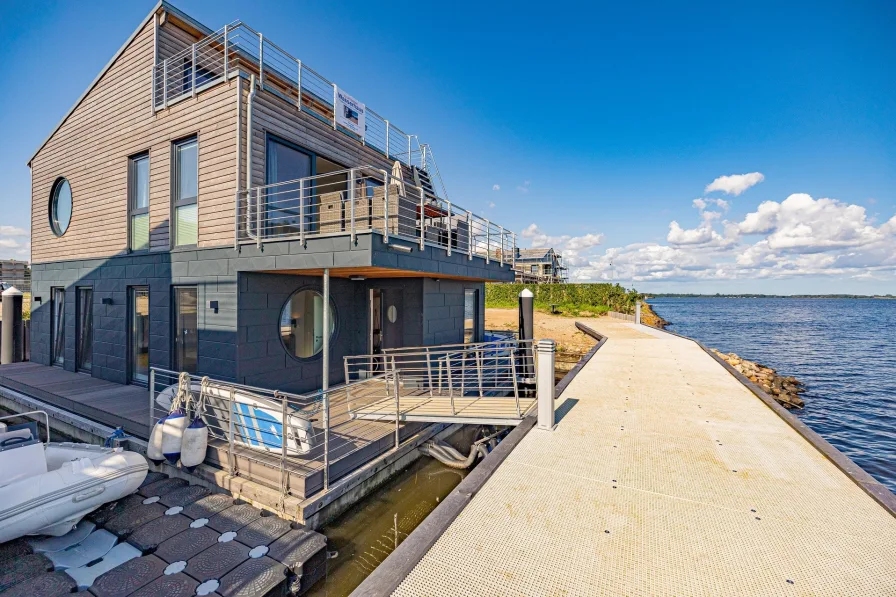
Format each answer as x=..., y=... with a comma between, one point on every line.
x=393, y=315
x=186, y=339
x=85, y=330
x=138, y=355
x=375, y=333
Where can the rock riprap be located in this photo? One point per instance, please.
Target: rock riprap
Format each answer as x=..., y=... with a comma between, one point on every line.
x=786, y=390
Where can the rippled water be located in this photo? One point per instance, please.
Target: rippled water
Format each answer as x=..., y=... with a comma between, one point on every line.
x=844, y=350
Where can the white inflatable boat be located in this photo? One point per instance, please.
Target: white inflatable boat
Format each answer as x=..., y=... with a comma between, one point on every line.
x=47, y=488
x=257, y=420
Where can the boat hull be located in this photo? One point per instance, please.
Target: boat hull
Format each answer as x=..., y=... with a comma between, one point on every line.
x=80, y=478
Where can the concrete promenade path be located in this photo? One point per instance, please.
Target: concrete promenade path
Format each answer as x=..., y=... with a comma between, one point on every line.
x=665, y=476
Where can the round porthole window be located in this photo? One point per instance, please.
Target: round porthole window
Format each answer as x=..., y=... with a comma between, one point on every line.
x=392, y=313
x=302, y=324
x=60, y=207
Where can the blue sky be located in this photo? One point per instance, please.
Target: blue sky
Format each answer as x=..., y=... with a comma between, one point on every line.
x=601, y=123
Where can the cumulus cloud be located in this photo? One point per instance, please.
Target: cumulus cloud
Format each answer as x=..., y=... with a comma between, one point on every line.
x=735, y=184
x=14, y=242
x=574, y=249
x=799, y=236
x=496, y=187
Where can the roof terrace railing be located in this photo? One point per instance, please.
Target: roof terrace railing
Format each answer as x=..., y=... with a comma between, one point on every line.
x=366, y=199
x=237, y=46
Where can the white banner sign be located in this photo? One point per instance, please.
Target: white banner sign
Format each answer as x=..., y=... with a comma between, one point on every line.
x=349, y=112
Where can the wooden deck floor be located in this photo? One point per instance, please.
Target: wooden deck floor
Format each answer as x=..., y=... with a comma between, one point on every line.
x=102, y=401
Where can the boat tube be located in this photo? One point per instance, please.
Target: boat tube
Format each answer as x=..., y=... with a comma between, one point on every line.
x=46, y=488
x=257, y=420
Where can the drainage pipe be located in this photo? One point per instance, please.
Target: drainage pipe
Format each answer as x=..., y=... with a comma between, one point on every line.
x=248, y=185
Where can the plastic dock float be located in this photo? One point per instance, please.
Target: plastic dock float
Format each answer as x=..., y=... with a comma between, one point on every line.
x=171, y=539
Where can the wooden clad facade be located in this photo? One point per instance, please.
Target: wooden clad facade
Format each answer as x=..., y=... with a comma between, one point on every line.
x=114, y=121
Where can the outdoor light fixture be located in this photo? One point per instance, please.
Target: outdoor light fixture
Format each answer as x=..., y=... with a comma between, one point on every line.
x=37, y=299
x=401, y=248
x=107, y=300
x=357, y=278
x=213, y=305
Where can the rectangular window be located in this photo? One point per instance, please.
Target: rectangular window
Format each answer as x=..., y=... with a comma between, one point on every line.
x=57, y=326
x=186, y=332
x=84, y=353
x=138, y=201
x=471, y=315
x=139, y=332
x=283, y=213
x=186, y=192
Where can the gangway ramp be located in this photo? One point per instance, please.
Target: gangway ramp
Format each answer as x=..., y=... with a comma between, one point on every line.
x=487, y=383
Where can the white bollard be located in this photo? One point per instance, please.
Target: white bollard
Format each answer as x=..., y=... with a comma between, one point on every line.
x=544, y=384
x=638, y=312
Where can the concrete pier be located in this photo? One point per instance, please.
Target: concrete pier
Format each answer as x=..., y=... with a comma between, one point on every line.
x=664, y=475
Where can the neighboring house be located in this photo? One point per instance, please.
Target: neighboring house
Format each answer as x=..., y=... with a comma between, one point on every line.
x=188, y=208
x=540, y=266
x=15, y=273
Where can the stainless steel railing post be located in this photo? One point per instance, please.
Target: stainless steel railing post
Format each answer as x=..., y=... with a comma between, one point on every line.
x=395, y=383
x=429, y=372
x=422, y=210
x=516, y=389
x=351, y=197
x=193, y=73
x=230, y=456
x=283, y=443
x=450, y=383
x=386, y=182
x=152, y=386
x=326, y=412
x=258, y=223
x=302, y=212
x=449, y=227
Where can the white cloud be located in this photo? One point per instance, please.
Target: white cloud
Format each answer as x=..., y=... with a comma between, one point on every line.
x=491, y=204
x=570, y=247
x=496, y=187
x=735, y=184
x=14, y=242
x=524, y=188
x=799, y=236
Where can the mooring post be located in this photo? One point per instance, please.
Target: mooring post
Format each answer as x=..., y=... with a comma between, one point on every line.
x=12, y=348
x=527, y=332
x=544, y=384
x=637, y=311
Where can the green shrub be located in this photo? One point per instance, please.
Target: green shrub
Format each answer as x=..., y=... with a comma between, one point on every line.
x=569, y=297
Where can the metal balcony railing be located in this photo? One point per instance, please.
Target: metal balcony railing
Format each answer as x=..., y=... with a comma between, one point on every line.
x=236, y=47
x=366, y=199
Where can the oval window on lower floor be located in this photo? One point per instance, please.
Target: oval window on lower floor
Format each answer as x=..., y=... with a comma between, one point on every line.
x=302, y=324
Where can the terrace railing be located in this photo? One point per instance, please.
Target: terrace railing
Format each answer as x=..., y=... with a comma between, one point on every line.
x=366, y=199
x=237, y=47
x=248, y=423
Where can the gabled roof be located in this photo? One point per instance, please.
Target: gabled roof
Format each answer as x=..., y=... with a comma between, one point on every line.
x=161, y=4
x=536, y=253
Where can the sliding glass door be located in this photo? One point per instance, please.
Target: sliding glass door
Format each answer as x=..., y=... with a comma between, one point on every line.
x=186, y=320
x=57, y=326
x=138, y=354
x=84, y=349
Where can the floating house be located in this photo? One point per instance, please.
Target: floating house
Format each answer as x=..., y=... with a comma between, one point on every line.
x=212, y=204
x=539, y=266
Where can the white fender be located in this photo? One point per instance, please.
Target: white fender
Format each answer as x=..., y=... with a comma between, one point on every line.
x=173, y=428
x=154, y=448
x=195, y=442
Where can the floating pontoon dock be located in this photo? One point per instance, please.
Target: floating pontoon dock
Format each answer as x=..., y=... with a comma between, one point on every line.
x=665, y=475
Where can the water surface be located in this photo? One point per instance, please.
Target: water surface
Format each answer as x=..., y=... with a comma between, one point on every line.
x=844, y=350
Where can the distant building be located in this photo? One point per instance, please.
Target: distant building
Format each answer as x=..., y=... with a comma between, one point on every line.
x=539, y=266
x=15, y=273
